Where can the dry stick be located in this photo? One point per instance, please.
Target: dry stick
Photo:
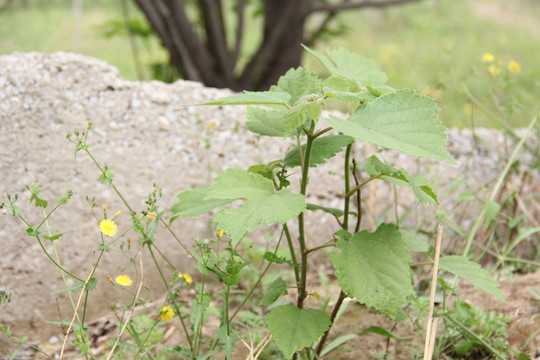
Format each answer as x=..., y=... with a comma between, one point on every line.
x=432, y=323
x=131, y=310
x=90, y=273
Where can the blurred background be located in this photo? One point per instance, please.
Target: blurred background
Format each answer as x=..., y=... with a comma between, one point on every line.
x=477, y=58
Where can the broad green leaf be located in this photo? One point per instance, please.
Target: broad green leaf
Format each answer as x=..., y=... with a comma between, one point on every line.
x=403, y=121
x=278, y=207
x=418, y=184
x=323, y=148
x=194, y=203
x=351, y=66
x=332, y=211
x=240, y=184
x=266, y=122
x=492, y=210
x=293, y=328
x=253, y=98
x=298, y=83
x=380, y=331
x=262, y=202
x=277, y=288
x=473, y=273
x=414, y=242
x=374, y=269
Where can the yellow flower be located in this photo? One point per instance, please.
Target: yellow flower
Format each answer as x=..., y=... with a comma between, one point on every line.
x=494, y=70
x=487, y=57
x=513, y=66
x=151, y=215
x=123, y=280
x=107, y=227
x=186, y=277
x=166, y=313
x=220, y=233
x=211, y=125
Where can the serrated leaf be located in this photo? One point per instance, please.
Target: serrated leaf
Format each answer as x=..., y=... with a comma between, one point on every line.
x=473, y=273
x=266, y=122
x=414, y=242
x=323, y=148
x=277, y=288
x=298, y=83
x=253, y=98
x=293, y=328
x=194, y=203
x=374, y=269
x=262, y=203
x=401, y=120
x=278, y=207
x=352, y=66
x=419, y=184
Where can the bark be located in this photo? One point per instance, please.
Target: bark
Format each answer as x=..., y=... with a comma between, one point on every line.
x=212, y=61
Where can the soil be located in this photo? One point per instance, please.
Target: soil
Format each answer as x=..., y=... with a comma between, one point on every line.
x=147, y=135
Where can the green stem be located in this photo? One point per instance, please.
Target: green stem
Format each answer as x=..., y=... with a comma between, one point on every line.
x=256, y=283
x=168, y=292
x=359, y=186
x=198, y=331
x=293, y=254
x=347, y=188
x=302, y=294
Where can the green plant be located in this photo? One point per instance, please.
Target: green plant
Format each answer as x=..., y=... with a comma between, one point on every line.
x=372, y=267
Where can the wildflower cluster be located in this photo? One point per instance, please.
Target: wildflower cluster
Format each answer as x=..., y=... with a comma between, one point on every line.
x=495, y=67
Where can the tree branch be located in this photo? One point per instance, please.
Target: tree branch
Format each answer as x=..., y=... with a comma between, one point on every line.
x=212, y=11
x=358, y=5
x=240, y=11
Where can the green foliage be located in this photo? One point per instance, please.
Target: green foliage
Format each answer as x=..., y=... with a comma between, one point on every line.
x=293, y=329
x=262, y=202
x=374, y=269
x=473, y=273
x=323, y=149
x=403, y=120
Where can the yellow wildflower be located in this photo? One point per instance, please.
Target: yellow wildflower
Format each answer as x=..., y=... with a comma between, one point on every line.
x=151, y=215
x=118, y=213
x=494, y=70
x=107, y=227
x=186, y=277
x=123, y=280
x=109, y=278
x=211, y=125
x=166, y=313
x=220, y=233
x=514, y=66
x=487, y=57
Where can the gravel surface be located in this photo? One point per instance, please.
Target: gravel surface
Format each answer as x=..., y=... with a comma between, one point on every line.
x=146, y=134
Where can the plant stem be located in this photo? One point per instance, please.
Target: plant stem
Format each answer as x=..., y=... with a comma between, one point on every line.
x=168, y=292
x=293, y=254
x=347, y=188
x=302, y=294
x=340, y=299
